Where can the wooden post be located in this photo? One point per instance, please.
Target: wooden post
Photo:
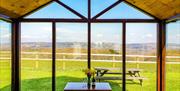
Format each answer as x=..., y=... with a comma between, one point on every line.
x=15, y=75
x=53, y=56
x=64, y=64
x=113, y=61
x=137, y=62
x=124, y=56
x=37, y=60
x=161, y=55
x=89, y=34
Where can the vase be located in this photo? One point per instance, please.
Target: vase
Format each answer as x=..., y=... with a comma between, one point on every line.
x=93, y=82
x=89, y=81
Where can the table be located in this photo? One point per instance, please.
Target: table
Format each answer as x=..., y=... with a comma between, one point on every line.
x=82, y=86
x=134, y=74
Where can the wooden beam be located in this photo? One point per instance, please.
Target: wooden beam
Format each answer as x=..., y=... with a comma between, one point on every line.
x=89, y=34
x=92, y=21
x=51, y=20
x=126, y=20
x=53, y=56
x=124, y=56
x=107, y=9
x=161, y=55
x=15, y=75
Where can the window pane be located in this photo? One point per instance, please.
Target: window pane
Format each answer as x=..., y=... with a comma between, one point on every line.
x=106, y=50
x=173, y=56
x=120, y=12
x=5, y=56
x=99, y=5
x=71, y=53
x=36, y=60
x=53, y=10
x=79, y=5
x=141, y=56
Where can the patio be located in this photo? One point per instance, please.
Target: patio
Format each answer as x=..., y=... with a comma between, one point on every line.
x=44, y=44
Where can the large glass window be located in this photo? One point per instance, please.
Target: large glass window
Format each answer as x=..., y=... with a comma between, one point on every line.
x=141, y=56
x=53, y=10
x=71, y=53
x=106, y=51
x=74, y=3
x=5, y=56
x=99, y=5
x=173, y=56
x=36, y=60
x=106, y=48
x=120, y=12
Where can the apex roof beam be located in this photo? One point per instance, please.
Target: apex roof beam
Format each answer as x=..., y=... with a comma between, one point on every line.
x=108, y=8
x=70, y=9
x=142, y=10
x=28, y=13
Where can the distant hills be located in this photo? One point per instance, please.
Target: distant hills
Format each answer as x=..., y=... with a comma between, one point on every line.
x=114, y=46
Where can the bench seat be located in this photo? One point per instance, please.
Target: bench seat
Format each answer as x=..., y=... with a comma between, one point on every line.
x=120, y=78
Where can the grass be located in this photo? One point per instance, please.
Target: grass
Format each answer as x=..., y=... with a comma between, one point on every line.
x=36, y=75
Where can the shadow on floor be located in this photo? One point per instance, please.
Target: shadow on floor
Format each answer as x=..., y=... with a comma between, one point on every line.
x=44, y=84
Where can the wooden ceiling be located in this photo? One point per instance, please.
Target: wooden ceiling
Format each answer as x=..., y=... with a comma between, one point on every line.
x=18, y=8
x=162, y=9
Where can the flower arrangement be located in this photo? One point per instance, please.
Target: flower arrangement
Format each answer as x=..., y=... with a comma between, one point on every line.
x=89, y=73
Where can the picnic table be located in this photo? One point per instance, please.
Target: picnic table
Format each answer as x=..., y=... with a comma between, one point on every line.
x=134, y=74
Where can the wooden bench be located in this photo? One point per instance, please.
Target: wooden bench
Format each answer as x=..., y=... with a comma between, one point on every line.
x=134, y=74
x=120, y=78
x=100, y=71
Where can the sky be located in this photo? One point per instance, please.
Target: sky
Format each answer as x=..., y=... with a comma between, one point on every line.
x=5, y=32
x=77, y=32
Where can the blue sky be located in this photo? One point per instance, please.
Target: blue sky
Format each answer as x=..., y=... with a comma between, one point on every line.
x=71, y=32
x=5, y=32
x=54, y=10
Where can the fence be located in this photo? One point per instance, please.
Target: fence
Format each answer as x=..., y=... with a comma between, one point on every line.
x=82, y=57
x=64, y=57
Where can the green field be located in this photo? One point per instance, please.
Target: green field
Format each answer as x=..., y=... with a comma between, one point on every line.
x=36, y=75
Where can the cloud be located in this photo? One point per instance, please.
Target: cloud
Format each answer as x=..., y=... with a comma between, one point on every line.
x=132, y=34
x=62, y=30
x=148, y=35
x=99, y=35
x=26, y=37
x=5, y=35
x=178, y=35
x=3, y=28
